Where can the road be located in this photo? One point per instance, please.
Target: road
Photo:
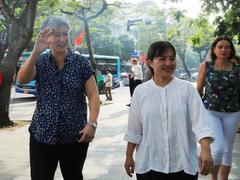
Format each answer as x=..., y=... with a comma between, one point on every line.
x=21, y=106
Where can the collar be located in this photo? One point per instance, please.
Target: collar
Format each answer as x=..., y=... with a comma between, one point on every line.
x=51, y=58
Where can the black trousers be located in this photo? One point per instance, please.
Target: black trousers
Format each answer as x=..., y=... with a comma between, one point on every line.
x=44, y=160
x=131, y=86
x=153, y=175
x=137, y=82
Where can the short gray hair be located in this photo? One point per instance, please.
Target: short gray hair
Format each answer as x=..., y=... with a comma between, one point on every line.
x=55, y=22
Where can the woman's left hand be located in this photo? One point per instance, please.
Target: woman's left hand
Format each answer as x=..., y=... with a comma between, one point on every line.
x=88, y=133
x=129, y=166
x=205, y=162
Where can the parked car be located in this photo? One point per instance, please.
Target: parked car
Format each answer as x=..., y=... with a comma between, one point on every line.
x=124, y=79
x=194, y=76
x=183, y=76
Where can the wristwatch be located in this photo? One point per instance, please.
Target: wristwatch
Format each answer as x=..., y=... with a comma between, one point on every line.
x=94, y=124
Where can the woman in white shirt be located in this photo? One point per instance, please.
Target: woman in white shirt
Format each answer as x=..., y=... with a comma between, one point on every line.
x=166, y=119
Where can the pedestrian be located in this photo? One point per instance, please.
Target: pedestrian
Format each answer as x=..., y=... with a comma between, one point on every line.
x=218, y=84
x=166, y=119
x=136, y=76
x=137, y=73
x=108, y=85
x=147, y=75
x=236, y=59
x=60, y=131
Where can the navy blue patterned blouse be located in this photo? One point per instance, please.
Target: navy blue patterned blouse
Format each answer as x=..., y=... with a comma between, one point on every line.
x=61, y=109
x=222, y=93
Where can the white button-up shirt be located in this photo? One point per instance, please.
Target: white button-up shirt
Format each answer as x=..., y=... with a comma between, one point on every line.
x=165, y=123
x=137, y=72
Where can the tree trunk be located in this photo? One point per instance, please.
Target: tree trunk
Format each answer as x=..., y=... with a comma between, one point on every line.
x=5, y=91
x=200, y=56
x=4, y=104
x=186, y=68
x=19, y=34
x=2, y=51
x=182, y=57
x=9, y=65
x=89, y=45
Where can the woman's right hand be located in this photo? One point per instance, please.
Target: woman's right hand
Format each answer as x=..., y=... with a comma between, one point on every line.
x=42, y=42
x=129, y=166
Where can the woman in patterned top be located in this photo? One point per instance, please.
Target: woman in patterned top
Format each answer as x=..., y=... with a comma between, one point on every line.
x=60, y=130
x=218, y=84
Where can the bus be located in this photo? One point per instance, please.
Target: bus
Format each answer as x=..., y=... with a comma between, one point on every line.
x=28, y=88
x=103, y=63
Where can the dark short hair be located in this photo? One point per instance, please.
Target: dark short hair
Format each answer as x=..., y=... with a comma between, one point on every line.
x=214, y=44
x=157, y=49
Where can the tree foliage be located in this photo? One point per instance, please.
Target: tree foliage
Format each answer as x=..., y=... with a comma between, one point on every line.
x=104, y=41
x=185, y=33
x=86, y=11
x=127, y=46
x=101, y=34
x=149, y=29
x=180, y=37
x=219, y=5
x=201, y=39
x=53, y=8
x=229, y=23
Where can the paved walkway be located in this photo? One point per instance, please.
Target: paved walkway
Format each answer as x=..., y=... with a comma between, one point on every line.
x=106, y=153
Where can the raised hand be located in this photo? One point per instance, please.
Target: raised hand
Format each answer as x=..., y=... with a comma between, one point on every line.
x=42, y=41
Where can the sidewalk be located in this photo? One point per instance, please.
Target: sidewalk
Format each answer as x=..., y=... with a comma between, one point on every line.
x=106, y=153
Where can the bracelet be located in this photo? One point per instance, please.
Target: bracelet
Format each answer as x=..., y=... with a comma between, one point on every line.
x=94, y=124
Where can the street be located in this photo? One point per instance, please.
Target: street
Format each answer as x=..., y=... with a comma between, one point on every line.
x=21, y=106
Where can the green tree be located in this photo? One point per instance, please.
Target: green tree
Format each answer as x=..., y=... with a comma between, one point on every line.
x=127, y=46
x=150, y=29
x=228, y=23
x=19, y=17
x=43, y=12
x=86, y=11
x=102, y=38
x=201, y=39
x=180, y=37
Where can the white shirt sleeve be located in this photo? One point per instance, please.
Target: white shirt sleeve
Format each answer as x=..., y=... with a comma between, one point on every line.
x=198, y=116
x=134, y=130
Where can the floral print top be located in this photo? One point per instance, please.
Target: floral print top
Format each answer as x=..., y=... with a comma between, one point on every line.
x=61, y=108
x=222, y=89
